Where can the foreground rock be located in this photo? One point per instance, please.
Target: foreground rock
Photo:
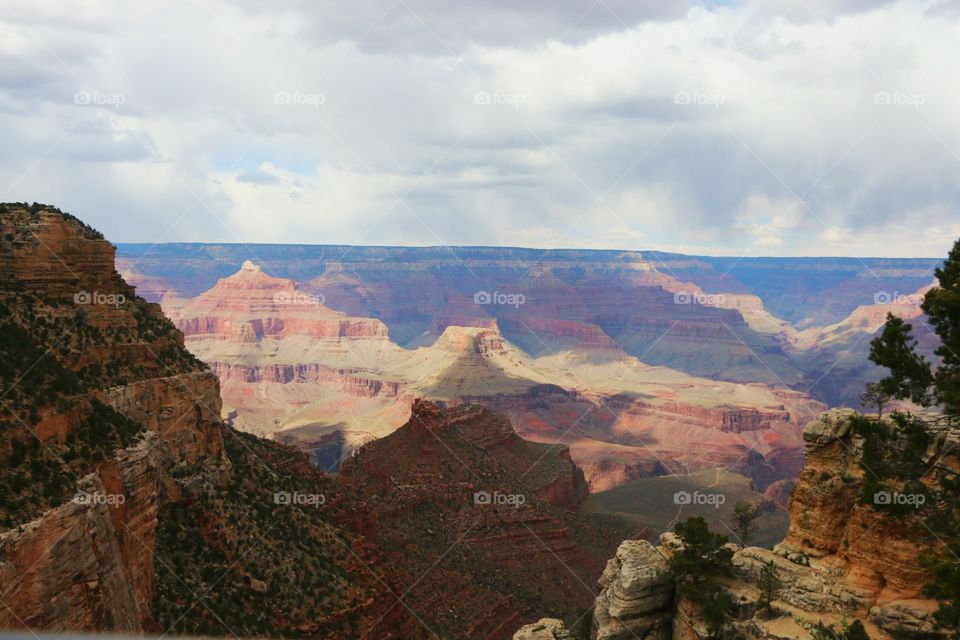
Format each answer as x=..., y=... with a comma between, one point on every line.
x=544, y=629
x=636, y=595
x=861, y=560
x=842, y=560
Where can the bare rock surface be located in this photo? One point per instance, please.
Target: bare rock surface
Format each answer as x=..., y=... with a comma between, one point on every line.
x=544, y=629
x=636, y=595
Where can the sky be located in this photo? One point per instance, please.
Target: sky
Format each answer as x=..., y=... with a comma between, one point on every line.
x=754, y=127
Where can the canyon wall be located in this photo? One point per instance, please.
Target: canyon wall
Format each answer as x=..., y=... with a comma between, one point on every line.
x=85, y=560
x=293, y=368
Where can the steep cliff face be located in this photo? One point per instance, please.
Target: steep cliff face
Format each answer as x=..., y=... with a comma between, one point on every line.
x=89, y=565
x=862, y=559
x=843, y=557
x=120, y=505
x=101, y=401
x=127, y=506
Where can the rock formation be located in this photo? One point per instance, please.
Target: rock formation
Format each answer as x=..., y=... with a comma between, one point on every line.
x=792, y=321
x=861, y=560
x=129, y=507
x=544, y=629
x=841, y=560
x=89, y=367
x=328, y=382
x=636, y=595
x=460, y=480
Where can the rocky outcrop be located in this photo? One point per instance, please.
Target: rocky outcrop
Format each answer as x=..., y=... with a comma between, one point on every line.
x=117, y=405
x=844, y=555
x=183, y=409
x=544, y=629
x=842, y=559
x=636, y=595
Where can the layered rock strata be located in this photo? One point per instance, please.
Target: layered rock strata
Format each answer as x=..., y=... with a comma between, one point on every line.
x=636, y=595
x=107, y=360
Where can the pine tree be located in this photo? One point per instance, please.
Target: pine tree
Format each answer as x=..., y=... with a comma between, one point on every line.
x=875, y=397
x=769, y=584
x=745, y=516
x=911, y=377
x=942, y=306
x=701, y=557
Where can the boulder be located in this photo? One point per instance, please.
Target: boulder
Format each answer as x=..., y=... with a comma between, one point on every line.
x=829, y=426
x=544, y=629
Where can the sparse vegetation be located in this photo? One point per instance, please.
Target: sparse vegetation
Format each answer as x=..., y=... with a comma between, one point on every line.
x=229, y=559
x=875, y=397
x=847, y=630
x=55, y=356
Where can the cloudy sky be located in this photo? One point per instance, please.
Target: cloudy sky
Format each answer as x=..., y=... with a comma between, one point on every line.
x=757, y=127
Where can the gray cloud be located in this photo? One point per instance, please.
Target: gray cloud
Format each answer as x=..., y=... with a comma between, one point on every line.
x=723, y=129
x=438, y=27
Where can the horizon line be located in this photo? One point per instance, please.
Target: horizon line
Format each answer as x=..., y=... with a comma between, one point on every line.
x=150, y=245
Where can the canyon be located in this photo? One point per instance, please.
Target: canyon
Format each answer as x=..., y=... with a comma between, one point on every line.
x=129, y=504
x=293, y=368
x=642, y=364
x=87, y=378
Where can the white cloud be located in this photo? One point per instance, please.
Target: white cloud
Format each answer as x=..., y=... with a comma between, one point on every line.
x=739, y=129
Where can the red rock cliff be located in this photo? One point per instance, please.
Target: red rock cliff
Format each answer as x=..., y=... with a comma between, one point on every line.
x=86, y=564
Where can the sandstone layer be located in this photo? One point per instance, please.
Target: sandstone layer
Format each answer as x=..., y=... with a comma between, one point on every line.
x=129, y=507
x=291, y=367
x=503, y=509
x=861, y=559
